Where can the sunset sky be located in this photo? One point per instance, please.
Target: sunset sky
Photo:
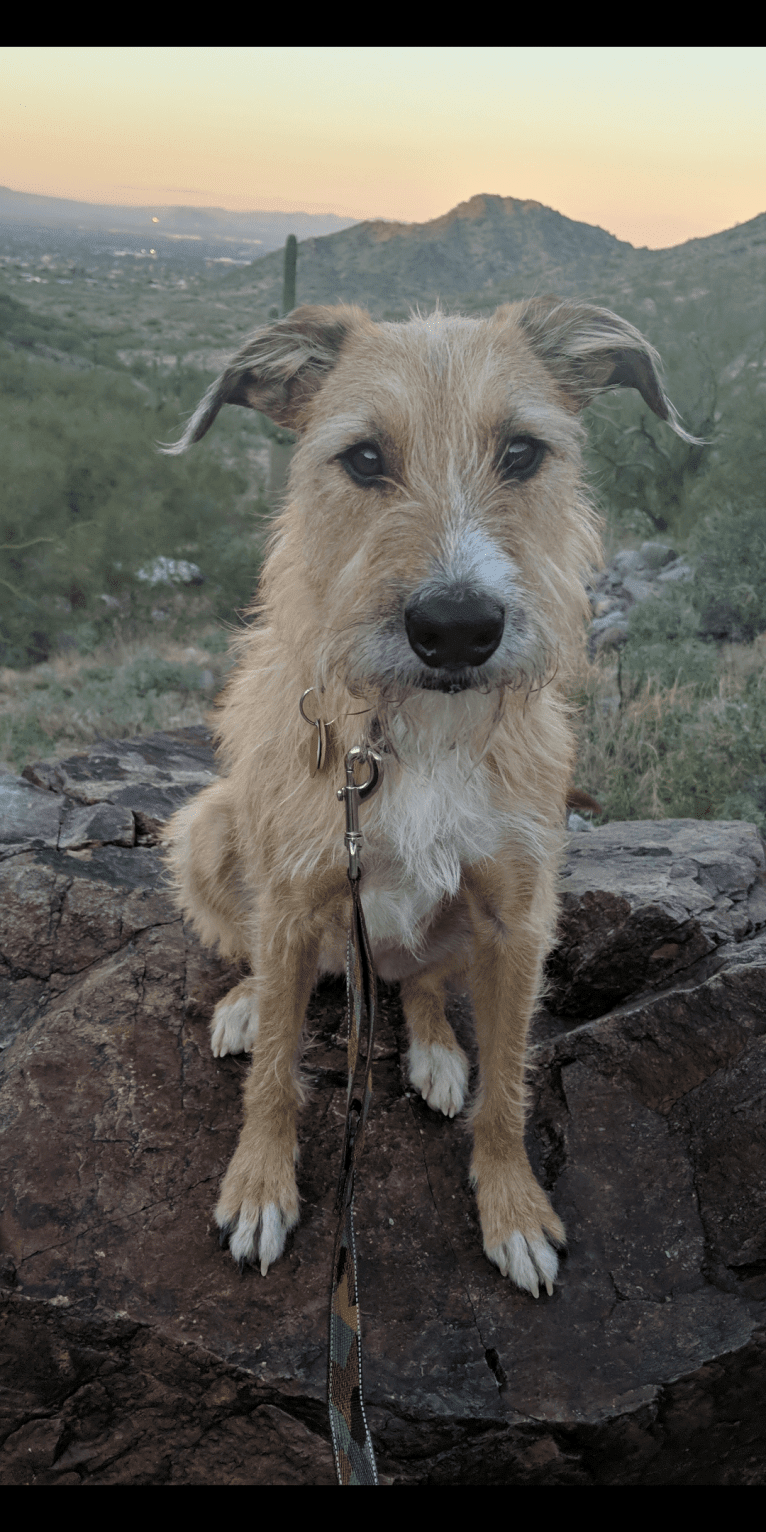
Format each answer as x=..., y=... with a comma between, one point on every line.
x=657, y=145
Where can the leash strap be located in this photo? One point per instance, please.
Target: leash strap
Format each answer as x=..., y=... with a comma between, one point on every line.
x=352, y=1443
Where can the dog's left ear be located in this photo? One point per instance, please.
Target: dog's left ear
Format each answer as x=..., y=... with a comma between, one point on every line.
x=589, y=350
x=278, y=369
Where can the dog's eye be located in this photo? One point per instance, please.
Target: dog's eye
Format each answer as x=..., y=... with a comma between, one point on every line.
x=363, y=462
x=522, y=457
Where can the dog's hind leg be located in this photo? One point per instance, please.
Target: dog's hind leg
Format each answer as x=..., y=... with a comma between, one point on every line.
x=235, y=1020
x=437, y=1065
x=202, y=860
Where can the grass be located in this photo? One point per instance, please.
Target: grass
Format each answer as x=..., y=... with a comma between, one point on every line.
x=680, y=749
x=120, y=689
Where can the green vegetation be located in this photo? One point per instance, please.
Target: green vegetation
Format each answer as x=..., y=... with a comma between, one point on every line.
x=676, y=728
x=684, y=750
x=88, y=502
x=63, y=705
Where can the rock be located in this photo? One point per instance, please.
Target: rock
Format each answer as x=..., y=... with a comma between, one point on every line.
x=678, y=570
x=577, y=824
x=146, y=778
x=607, y=623
x=134, y=1352
x=656, y=556
x=612, y=636
x=627, y=562
x=634, y=575
x=28, y=817
x=638, y=589
x=645, y=901
x=166, y=571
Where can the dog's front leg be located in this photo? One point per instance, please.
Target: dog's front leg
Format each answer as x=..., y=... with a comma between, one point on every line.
x=511, y=943
x=258, y=1204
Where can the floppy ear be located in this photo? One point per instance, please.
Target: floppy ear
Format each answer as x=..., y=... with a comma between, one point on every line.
x=277, y=370
x=590, y=350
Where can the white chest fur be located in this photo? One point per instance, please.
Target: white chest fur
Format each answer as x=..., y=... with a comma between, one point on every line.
x=422, y=829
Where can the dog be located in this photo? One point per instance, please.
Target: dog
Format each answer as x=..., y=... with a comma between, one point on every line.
x=426, y=579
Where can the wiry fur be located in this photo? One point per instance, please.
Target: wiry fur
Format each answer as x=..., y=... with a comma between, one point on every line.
x=461, y=843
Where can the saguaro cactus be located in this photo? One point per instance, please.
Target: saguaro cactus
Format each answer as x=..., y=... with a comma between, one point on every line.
x=288, y=288
x=282, y=441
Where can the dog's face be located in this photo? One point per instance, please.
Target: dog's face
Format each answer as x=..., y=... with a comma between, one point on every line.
x=436, y=512
x=440, y=513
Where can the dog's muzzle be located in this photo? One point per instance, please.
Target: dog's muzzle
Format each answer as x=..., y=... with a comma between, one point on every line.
x=455, y=630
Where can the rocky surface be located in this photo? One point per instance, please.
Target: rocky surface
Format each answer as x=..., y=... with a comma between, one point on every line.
x=132, y=1349
x=633, y=575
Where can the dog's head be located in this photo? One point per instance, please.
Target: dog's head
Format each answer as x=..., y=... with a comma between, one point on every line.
x=436, y=532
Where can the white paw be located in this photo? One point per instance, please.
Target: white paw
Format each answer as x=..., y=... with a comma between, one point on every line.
x=527, y=1262
x=441, y=1076
x=257, y=1238
x=235, y=1026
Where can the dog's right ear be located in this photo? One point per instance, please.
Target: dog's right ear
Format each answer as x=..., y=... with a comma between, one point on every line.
x=277, y=370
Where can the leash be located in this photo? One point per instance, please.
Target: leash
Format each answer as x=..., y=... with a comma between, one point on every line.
x=352, y=1443
x=351, y=1440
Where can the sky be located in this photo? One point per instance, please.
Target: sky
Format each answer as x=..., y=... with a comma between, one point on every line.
x=656, y=145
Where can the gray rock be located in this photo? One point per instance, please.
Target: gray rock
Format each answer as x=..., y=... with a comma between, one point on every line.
x=655, y=556
x=638, y=589
x=611, y=637
x=576, y=824
x=627, y=562
x=28, y=817
x=613, y=619
x=146, y=778
x=679, y=570
x=134, y=1352
x=166, y=571
x=634, y=575
x=99, y=824
x=645, y=901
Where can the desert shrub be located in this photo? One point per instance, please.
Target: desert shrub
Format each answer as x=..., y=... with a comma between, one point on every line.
x=677, y=751
x=60, y=706
x=88, y=501
x=664, y=646
x=152, y=673
x=729, y=553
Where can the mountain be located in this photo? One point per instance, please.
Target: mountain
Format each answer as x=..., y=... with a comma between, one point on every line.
x=477, y=249
x=213, y=225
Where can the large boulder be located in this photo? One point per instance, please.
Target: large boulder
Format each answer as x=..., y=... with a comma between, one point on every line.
x=132, y=1349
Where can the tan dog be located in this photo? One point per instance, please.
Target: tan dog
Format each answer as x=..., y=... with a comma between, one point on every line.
x=426, y=579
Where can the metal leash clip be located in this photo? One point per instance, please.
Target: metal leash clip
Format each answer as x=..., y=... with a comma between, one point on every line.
x=354, y=795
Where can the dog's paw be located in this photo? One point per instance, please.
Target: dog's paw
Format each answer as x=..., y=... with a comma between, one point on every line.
x=527, y=1261
x=235, y=1023
x=257, y=1208
x=519, y=1225
x=256, y=1236
x=441, y=1076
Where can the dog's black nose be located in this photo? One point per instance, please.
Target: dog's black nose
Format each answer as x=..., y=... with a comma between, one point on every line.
x=455, y=628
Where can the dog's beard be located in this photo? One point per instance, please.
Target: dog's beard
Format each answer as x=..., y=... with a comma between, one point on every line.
x=419, y=729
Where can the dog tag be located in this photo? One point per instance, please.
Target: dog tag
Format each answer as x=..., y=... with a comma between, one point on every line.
x=326, y=731
x=314, y=751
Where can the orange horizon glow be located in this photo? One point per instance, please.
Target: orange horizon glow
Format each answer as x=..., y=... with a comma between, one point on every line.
x=655, y=145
